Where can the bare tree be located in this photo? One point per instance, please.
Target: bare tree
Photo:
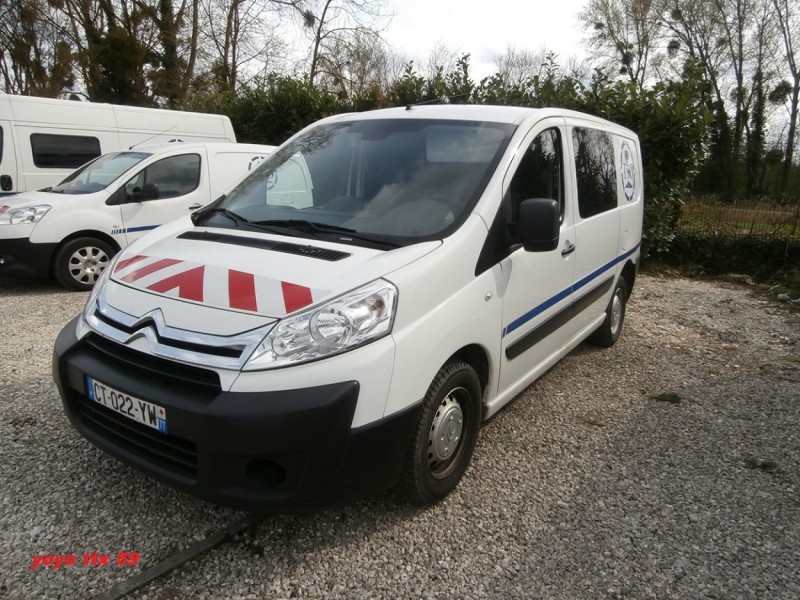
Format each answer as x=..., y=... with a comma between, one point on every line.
x=240, y=38
x=725, y=38
x=340, y=27
x=35, y=57
x=787, y=14
x=624, y=33
x=516, y=67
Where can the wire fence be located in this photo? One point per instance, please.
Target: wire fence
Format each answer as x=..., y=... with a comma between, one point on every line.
x=763, y=218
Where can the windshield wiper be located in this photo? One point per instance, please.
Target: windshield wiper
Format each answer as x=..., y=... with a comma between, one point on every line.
x=316, y=227
x=305, y=225
x=237, y=219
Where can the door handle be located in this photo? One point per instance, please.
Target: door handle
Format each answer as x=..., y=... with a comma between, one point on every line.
x=195, y=206
x=569, y=248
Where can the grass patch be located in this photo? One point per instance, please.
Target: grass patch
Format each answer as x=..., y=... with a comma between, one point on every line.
x=670, y=397
x=766, y=465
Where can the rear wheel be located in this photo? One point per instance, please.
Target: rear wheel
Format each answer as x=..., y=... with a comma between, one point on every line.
x=445, y=435
x=79, y=263
x=608, y=333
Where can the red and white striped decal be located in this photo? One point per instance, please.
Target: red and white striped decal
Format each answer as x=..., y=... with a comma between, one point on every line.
x=216, y=286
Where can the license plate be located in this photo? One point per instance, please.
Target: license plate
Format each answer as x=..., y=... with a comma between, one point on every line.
x=138, y=410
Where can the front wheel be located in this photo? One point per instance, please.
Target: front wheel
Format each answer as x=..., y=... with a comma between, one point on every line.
x=79, y=263
x=608, y=333
x=445, y=435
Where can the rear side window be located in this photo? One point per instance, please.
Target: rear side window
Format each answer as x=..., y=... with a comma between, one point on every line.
x=596, y=173
x=52, y=151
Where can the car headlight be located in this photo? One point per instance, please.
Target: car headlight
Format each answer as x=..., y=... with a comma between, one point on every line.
x=24, y=215
x=91, y=302
x=344, y=323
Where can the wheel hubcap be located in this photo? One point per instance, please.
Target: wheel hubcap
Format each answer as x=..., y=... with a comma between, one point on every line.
x=616, y=312
x=86, y=264
x=446, y=429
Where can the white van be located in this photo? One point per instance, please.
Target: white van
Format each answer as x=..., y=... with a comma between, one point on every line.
x=270, y=353
x=72, y=229
x=43, y=139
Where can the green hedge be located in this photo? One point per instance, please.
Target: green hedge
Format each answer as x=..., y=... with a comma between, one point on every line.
x=761, y=258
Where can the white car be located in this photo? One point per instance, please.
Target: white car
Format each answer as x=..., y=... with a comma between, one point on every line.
x=72, y=229
x=344, y=319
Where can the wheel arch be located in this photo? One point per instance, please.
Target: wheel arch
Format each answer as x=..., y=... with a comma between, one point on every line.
x=629, y=272
x=477, y=357
x=85, y=233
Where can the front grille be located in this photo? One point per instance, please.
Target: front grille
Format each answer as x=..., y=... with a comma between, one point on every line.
x=151, y=367
x=173, y=346
x=227, y=352
x=168, y=451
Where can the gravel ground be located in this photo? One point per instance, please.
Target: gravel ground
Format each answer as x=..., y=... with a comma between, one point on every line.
x=585, y=487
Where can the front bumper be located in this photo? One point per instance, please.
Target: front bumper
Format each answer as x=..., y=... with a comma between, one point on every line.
x=286, y=451
x=20, y=255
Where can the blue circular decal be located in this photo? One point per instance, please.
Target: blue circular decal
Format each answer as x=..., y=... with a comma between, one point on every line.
x=628, y=165
x=255, y=161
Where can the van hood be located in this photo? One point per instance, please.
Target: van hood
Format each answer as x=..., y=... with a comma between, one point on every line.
x=25, y=199
x=257, y=274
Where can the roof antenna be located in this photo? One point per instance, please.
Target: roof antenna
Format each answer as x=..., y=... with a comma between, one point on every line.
x=144, y=141
x=445, y=99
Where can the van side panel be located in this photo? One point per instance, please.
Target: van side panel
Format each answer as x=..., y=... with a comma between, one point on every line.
x=443, y=308
x=168, y=125
x=9, y=174
x=631, y=185
x=114, y=127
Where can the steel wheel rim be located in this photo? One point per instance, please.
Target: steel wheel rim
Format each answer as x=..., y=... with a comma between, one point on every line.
x=616, y=312
x=86, y=264
x=446, y=433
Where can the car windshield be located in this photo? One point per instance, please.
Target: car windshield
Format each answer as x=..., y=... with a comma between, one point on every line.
x=99, y=174
x=381, y=181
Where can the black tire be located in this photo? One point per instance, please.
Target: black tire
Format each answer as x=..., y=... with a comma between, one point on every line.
x=78, y=263
x=608, y=333
x=452, y=412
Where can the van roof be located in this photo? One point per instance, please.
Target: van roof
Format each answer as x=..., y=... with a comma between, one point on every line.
x=474, y=112
x=210, y=146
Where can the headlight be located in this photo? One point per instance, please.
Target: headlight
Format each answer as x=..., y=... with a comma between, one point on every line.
x=91, y=302
x=342, y=324
x=23, y=216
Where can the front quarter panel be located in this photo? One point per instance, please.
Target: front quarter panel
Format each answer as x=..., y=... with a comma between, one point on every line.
x=444, y=307
x=64, y=220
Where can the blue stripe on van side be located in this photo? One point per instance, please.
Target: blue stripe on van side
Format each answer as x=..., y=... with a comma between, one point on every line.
x=537, y=310
x=133, y=229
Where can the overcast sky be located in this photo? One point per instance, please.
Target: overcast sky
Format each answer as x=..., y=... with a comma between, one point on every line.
x=485, y=29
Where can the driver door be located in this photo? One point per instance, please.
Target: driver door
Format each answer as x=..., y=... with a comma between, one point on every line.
x=539, y=284
x=163, y=191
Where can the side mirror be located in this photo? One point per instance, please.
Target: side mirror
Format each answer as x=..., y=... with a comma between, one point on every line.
x=539, y=224
x=149, y=191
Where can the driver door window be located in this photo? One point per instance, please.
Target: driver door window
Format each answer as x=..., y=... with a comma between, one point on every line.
x=540, y=173
x=168, y=178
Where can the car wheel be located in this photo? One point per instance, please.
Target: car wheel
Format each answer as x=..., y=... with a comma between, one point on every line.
x=79, y=263
x=608, y=333
x=445, y=435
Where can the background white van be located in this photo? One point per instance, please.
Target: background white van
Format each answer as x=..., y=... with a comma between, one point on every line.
x=72, y=229
x=43, y=139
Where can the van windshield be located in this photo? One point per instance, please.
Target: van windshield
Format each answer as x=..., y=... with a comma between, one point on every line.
x=384, y=182
x=99, y=173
